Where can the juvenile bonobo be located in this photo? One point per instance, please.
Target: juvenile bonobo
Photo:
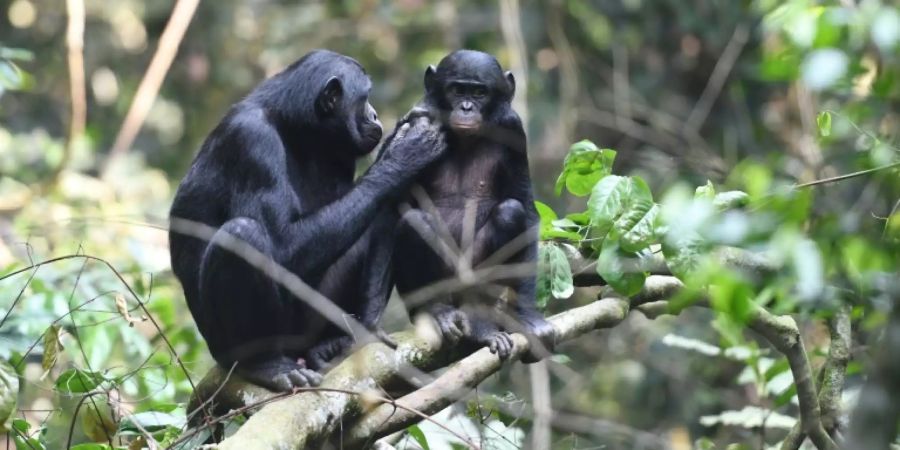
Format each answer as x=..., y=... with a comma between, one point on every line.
x=277, y=173
x=485, y=171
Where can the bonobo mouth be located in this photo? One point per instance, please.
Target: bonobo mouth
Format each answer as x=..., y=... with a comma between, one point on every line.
x=465, y=126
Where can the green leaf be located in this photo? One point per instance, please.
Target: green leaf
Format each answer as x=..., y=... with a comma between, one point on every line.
x=78, y=381
x=620, y=270
x=10, y=76
x=554, y=274
x=637, y=225
x=823, y=120
x=730, y=200
x=9, y=394
x=623, y=208
x=704, y=444
x=91, y=446
x=545, y=213
x=20, y=436
x=561, y=284
x=582, y=218
x=607, y=202
x=151, y=421
x=584, y=166
x=19, y=54
x=705, y=191
x=416, y=433
x=52, y=347
x=683, y=253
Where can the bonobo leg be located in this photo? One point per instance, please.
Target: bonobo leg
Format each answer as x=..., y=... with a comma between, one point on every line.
x=244, y=313
x=421, y=258
x=360, y=283
x=507, y=222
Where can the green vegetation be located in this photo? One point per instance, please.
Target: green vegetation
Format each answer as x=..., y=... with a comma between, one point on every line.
x=694, y=130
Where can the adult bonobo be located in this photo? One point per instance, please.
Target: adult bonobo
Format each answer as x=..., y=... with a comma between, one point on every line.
x=277, y=173
x=482, y=198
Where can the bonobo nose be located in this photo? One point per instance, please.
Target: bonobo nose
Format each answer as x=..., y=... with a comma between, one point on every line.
x=467, y=106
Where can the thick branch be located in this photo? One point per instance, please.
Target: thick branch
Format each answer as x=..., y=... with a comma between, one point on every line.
x=462, y=377
x=305, y=420
x=831, y=380
x=782, y=332
x=309, y=419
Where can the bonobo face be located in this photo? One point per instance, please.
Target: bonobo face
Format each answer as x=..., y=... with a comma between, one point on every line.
x=467, y=86
x=368, y=127
x=343, y=104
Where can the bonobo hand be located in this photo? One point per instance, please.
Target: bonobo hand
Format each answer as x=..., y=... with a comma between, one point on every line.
x=417, y=143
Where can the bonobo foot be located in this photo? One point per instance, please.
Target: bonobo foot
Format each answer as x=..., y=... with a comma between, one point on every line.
x=498, y=342
x=280, y=374
x=452, y=323
x=541, y=337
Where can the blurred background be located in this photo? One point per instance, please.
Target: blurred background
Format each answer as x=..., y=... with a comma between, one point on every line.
x=686, y=91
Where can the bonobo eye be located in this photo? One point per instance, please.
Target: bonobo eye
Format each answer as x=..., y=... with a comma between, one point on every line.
x=479, y=91
x=455, y=90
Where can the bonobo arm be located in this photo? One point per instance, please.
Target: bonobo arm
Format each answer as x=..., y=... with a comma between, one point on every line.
x=319, y=237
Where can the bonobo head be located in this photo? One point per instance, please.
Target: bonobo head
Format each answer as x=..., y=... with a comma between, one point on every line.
x=324, y=95
x=467, y=87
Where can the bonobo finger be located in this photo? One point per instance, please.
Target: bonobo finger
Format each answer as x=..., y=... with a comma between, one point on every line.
x=314, y=378
x=298, y=380
x=462, y=322
x=401, y=132
x=281, y=383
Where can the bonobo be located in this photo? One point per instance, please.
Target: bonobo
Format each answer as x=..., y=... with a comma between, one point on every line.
x=482, y=184
x=277, y=173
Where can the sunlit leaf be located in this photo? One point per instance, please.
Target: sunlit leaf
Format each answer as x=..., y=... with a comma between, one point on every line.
x=151, y=421
x=416, y=433
x=78, y=381
x=52, y=347
x=607, y=202
x=824, y=67
x=823, y=120
x=751, y=417
x=9, y=394
x=97, y=419
x=640, y=234
x=554, y=274
x=19, y=54
x=21, y=436
x=706, y=191
x=10, y=76
x=730, y=200
x=584, y=166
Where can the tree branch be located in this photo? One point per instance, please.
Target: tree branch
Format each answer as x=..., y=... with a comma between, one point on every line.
x=310, y=419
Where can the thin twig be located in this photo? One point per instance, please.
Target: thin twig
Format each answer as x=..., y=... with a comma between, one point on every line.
x=847, y=176
x=717, y=79
x=147, y=91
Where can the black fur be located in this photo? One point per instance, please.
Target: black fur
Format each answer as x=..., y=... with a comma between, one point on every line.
x=277, y=173
x=485, y=169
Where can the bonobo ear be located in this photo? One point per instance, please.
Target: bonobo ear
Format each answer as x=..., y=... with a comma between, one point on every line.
x=429, y=78
x=511, y=80
x=328, y=99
